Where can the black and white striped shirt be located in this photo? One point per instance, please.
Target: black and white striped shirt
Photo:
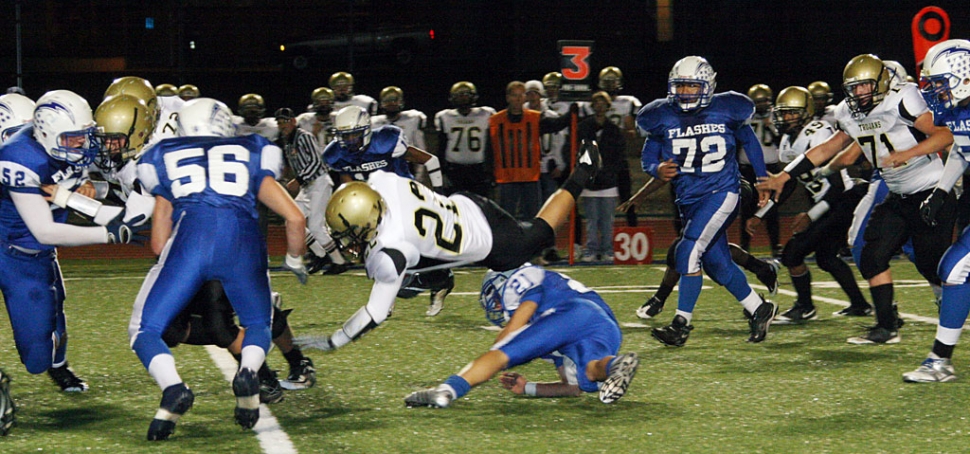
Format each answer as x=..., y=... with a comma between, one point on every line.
x=303, y=155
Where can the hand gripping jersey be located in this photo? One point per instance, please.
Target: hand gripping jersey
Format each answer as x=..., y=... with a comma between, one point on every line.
x=422, y=224
x=812, y=134
x=385, y=152
x=702, y=143
x=889, y=128
x=24, y=167
x=467, y=134
x=213, y=171
x=411, y=122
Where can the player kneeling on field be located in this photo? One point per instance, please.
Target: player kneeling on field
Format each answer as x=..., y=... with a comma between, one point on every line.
x=545, y=315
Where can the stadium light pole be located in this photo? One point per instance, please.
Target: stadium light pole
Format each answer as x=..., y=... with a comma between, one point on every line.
x=20, y=50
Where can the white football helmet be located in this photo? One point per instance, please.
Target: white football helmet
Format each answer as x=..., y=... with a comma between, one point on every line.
x=490, y=297
x=205, y=117
x=897, y=72
x=946, y=74
x=688, y=71
x=15, y=110
x=352, y=125
x=64, y=126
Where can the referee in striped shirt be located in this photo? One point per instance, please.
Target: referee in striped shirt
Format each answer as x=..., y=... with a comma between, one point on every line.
x=305, y=158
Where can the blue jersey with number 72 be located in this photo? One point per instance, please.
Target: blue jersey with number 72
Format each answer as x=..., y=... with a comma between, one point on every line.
x=215, y=171
x=703, y=143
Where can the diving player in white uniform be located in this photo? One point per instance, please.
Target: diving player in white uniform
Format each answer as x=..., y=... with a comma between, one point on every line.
x=399, y=226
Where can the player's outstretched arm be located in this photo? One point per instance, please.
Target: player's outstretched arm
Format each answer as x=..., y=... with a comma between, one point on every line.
x=648, y=188
x=36, y=214
x=938, y=139
x=430, y=162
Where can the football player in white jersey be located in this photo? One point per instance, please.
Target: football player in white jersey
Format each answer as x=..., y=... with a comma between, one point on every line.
x=412, y=123
x=762, y=123
x=822, y=228
x=822, y=94
x=399, y=226
x=462, y=140
x=342, y=84
x=318, y=119
x=894, y=130
x=250, y=119
x=623, y=112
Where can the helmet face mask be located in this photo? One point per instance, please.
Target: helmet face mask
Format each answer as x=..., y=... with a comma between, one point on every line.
x=946, y=74
x=392, y=100
x=352, y=128
x=761, y=95
x=252, y=108
x=794, y=108
x=124, y=126
x=353, y=214
x=610, y=79
x=691, y=84
x=866, y=82
x=64, y=126
x=491, y=297
x=463, y=95
x=322, y=99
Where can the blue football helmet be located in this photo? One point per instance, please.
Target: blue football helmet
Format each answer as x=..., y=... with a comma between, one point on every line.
x=690, y=71
x=491, y=297
x=946, y=74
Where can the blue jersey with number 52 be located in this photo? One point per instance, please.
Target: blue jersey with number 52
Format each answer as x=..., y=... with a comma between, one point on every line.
x=215, y=171
x=703, y=143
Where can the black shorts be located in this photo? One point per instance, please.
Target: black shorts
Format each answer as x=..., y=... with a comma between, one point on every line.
x=513, y=242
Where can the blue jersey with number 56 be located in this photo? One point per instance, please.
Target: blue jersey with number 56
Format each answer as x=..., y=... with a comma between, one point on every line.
x=703, y=143
x=215, y=171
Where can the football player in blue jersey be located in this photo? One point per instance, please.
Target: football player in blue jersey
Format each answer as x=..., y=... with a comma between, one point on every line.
x=547, y=315
x=206, y=183
x=358, y=149
x=693, y=139
x=946, y=76
x=54, y=150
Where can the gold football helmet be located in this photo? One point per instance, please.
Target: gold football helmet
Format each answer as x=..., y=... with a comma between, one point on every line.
x=866, y=83
x=320, y=95
x=342, y=84
x=761, y=94
x=392, y=99
x=188, y=91
x=137, y=87
x=353, y=215
x=552, y=82
x=611, y=79
x=166, y=90
x=252, y=105
x=125, y=125
x=463, y=94
x=793, y=108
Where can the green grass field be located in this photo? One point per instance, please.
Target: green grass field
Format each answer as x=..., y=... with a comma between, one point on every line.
x=803, y=390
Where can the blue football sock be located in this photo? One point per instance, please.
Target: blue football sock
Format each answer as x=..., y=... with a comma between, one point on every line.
x=460, y=385
x=955, y=306
x=690, y=290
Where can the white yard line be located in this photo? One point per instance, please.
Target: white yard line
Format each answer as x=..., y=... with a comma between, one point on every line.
x=271, y=436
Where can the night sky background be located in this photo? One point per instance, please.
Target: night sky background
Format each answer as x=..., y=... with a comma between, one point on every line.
x=83, y=45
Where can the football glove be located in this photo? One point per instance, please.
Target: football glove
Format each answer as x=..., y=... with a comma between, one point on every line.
x=130, y=232
x=931, y=206
x=294, y=264
x=317, y=342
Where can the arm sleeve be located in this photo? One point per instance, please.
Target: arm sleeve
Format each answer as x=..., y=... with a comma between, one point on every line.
x=650, y=156
x=752, y=148
x=36, y=213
